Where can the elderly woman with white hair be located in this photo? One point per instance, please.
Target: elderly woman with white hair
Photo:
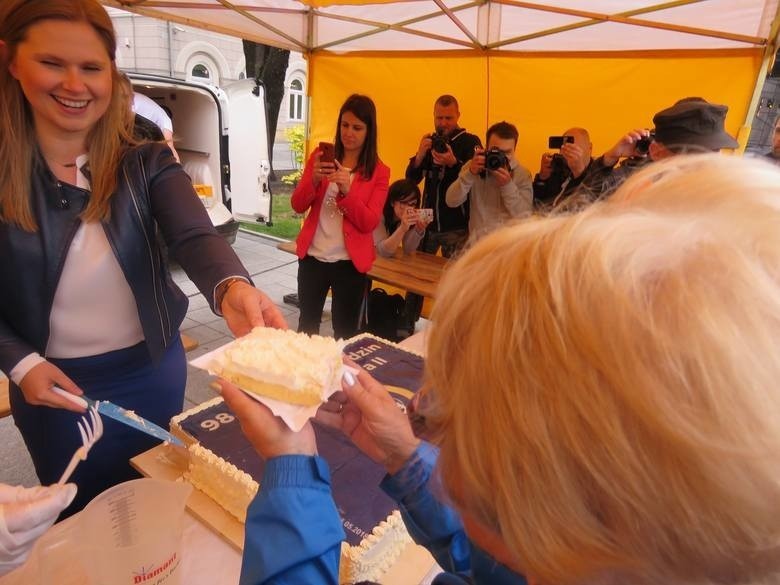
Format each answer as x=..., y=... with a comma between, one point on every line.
x=609, y=416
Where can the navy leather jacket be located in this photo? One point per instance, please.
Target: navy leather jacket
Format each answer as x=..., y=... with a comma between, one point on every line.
x=152, y=190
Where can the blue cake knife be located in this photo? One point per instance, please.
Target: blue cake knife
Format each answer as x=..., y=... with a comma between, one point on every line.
x=127, y=417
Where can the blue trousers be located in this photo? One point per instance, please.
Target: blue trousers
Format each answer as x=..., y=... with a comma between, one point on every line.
x=125, y=377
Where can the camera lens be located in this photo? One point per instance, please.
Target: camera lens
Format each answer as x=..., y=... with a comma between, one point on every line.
x=642, y=145
x=438, y=143
x=495, y=159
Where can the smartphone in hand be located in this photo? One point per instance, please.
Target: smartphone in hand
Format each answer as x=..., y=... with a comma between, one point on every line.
x=327, y=152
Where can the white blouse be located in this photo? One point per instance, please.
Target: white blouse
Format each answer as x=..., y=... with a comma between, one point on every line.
x=94, y=309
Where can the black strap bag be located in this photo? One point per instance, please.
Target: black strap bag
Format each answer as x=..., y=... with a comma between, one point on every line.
x=385, y=315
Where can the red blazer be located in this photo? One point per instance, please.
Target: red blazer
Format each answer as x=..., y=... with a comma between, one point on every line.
x=362, y=208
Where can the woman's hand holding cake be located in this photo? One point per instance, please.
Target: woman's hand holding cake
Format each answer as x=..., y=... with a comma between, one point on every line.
x=369, y=416
x=245, y=307
x=364, y=411
x=269, y=435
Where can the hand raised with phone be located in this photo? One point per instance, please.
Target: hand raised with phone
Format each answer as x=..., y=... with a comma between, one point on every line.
x=410, y=218
x=324, y=164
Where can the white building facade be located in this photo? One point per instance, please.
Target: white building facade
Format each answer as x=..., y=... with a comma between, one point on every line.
x=158, y=47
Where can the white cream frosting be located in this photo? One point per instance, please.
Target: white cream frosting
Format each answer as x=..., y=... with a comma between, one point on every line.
x=223, y=482
x=194, y=410
x=294, y=360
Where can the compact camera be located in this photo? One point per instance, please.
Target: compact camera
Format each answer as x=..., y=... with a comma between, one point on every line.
x=495, y=159
x=642, y=145
x=439, y=142
x=558, y=141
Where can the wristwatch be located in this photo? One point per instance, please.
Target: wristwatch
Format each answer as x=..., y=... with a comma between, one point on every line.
x=222, y=289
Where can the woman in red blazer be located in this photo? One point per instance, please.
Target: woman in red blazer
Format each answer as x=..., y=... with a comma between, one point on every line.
x=344, y=198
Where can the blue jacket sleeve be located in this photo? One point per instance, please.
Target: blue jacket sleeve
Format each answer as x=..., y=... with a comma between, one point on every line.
x=293, y=531
x=430, y=522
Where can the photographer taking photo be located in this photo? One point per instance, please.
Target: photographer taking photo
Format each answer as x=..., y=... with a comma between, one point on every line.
x=561, y=173
x=438, y=160
x=497, y=187
x=692, y=125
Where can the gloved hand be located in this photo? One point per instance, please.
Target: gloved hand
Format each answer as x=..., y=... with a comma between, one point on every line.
x=25, y=514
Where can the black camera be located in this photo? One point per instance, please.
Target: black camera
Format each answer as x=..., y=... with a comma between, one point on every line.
x=439, y=142
x=642, y=145
x=495, y=159
x=558, y=141
x=559, y=165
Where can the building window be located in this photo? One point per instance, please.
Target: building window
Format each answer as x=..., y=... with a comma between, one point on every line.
x=200, y=72
x=295, y=112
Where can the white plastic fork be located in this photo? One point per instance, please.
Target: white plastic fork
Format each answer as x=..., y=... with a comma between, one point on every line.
x=89, y=436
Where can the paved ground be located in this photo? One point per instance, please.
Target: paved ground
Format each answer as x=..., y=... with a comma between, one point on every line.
x=272, y=270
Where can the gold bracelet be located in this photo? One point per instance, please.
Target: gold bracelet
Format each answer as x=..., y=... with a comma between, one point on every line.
x=222, y=290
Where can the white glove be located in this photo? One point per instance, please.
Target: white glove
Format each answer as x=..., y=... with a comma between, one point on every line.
x=25, y=514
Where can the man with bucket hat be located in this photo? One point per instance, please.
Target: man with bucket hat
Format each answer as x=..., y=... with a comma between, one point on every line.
x=691, y=125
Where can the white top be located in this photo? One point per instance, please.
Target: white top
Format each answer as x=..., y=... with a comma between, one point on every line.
x=328, y=242
x=94, y=310
x=151, y=110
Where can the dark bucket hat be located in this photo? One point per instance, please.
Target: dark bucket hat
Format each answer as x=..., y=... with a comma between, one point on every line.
x=693, y=122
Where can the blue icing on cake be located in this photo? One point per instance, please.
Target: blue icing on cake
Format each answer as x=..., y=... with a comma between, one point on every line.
x=354, y=477
x=387, y=363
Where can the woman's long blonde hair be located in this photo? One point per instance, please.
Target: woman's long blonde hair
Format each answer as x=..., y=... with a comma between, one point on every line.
x=107, y=141
x=605, y=386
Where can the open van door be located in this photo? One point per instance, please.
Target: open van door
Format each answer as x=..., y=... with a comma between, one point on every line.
x=250, y=167
x=199, y=113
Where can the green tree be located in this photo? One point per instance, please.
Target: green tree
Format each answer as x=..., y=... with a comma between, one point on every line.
x=295, y=136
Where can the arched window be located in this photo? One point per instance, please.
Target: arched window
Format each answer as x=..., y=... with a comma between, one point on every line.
x=203, y=68
x=200, y=71
x=295, y=112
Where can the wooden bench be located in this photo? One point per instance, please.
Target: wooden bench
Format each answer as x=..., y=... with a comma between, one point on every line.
x=188, y=342
x=417, y=272
x=5, y=403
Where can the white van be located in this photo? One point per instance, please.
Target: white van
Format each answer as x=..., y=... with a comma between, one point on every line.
x=221, y=136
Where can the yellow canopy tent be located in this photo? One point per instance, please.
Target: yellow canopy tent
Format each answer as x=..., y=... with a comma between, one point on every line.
x=606, y=65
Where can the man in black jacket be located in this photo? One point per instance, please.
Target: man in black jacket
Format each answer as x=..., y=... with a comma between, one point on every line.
x=438, y=160
x=560, y=174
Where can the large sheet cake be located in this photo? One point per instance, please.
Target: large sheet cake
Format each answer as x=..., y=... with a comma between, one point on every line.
x=374, y=530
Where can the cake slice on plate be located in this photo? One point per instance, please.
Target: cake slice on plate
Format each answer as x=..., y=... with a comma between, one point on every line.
x=283, y=365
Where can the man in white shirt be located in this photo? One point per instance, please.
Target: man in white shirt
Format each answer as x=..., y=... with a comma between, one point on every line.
x=145, y=106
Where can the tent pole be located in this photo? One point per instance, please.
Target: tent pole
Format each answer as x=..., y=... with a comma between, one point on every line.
x=769, y=54
x=595, y=18
x=309, y=77
x=398, y=26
